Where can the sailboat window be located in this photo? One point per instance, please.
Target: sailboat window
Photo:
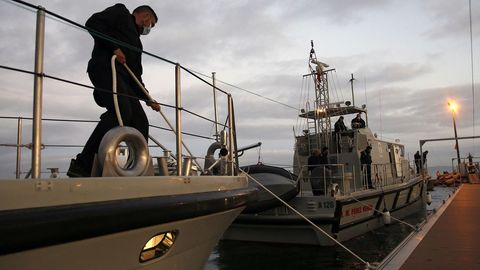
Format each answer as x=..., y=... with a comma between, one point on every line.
x=158, y=245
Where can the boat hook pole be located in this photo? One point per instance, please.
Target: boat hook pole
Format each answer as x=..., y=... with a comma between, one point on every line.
x=163, y=115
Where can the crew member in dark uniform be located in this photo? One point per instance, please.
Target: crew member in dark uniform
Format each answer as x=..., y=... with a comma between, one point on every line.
x=417, y=161
x=115, y=22
x=358, y=122
x=339, y=128
x=340, y=125
x=314, y=160
x=324, y=156
x=366, y=160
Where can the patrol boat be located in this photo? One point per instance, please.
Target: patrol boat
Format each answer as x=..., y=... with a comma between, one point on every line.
x=127, y=215
x=336, y=196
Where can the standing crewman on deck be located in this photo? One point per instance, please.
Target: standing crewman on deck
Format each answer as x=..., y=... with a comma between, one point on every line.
x=324, y=156
x=366, y=160
x=313, y=160
x=424, y=160
x=358, y=122
x=340, y=125
x=417, y=161
x=339, y=128
x=118, y=23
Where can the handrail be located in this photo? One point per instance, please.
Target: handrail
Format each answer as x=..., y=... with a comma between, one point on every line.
x=96, y=121
x=381, y=176
x=39, y=75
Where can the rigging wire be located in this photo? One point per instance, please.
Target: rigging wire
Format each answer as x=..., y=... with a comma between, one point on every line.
x=335, y=87
x=341, y=91
x=245, y=90
x=96, y=121
x=302, y=92
x=102, y=90
x=194, y=73
x=77, y=84
x=471, y=61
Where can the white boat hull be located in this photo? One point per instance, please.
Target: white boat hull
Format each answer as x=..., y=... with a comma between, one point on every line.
x=105, y=223
x=197, y=238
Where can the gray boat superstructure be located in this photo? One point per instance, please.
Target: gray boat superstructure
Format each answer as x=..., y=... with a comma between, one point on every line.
x=336, y=196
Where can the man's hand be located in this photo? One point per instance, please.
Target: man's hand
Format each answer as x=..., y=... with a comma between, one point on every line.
x=120, y=56
x=154, y=105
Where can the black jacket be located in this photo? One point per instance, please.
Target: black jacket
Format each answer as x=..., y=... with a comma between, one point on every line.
x=313, y=162
x=340, y=126
x=365, y=158
x=358, y=123
x=116, y=22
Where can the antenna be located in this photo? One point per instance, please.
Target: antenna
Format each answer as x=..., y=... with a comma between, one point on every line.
x=353, y=96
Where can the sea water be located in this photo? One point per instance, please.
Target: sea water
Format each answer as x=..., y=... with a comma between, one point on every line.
x=372, y=247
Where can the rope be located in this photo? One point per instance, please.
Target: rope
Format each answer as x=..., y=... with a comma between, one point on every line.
x=114, y=89
x=160, y=111
x=307, y=220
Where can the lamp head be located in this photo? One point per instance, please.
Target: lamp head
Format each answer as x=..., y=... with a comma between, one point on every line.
x=453, y=106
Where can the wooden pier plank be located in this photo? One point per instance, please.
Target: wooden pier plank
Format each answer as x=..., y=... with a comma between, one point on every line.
x=454, y=240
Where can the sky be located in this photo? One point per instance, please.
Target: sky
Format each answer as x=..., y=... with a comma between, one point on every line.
x=408, y=57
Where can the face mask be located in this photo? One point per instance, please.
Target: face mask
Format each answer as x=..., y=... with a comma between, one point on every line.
x=146, y=29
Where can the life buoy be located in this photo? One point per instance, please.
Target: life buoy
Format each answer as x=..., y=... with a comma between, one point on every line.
x=137, y=145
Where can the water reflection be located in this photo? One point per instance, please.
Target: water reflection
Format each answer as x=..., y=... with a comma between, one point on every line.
x=372, y=247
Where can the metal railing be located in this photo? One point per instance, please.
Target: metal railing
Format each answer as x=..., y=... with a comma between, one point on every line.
x=465, y=163
x=39, y=75
x=349, y=178
x=322, y=177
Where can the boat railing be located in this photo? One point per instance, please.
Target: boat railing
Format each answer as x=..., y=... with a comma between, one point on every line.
x=325, y=179
x=383, y=175
x=468, y=165
x=336, y=179
x=228, y=140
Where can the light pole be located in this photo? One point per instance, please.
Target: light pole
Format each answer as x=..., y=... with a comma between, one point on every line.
x=453, y=107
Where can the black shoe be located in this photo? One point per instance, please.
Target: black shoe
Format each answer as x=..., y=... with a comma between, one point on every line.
x=75, y=170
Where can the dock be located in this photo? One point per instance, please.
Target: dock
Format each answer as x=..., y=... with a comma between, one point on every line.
x=453, y=241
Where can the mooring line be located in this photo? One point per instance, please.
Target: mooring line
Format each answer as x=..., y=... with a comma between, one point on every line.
x=375, y=210
x=367, y=264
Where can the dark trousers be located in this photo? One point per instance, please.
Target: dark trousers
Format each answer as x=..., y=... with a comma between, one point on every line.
x=131, y=111
x=367, y=170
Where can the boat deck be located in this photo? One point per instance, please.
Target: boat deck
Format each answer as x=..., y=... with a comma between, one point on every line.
x=454, y=240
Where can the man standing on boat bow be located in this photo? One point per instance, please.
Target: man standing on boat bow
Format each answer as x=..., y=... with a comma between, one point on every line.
x=116, y=22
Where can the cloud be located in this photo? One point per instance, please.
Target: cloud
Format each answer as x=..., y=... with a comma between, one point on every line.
x=451, y=19
x=390, y=73
x=261, y=46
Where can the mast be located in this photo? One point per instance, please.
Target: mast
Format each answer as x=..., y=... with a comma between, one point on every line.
x=351, y=84
x=323, y=125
